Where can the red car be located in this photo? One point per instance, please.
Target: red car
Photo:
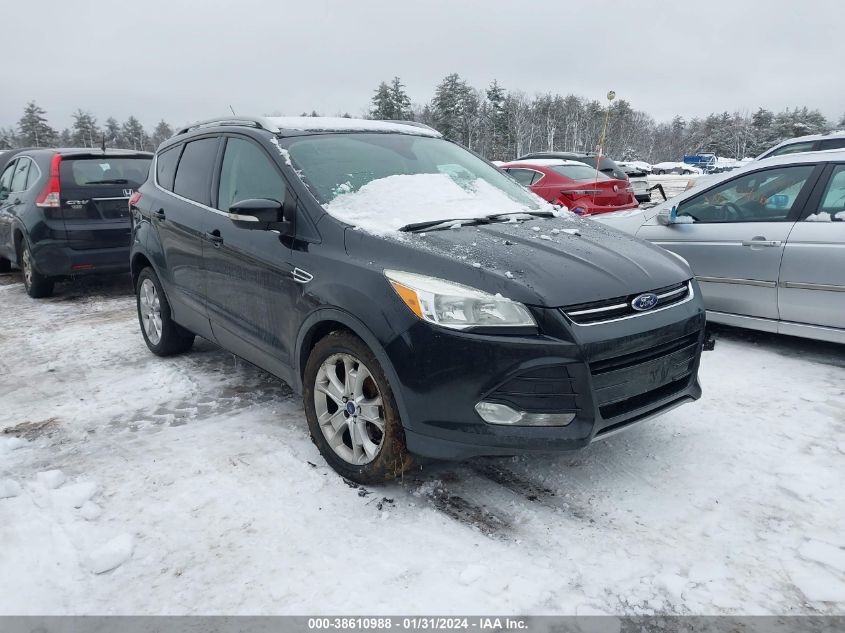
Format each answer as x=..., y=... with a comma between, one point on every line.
x=575, y=185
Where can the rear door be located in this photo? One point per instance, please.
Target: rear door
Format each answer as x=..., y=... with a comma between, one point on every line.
x=812, y=274
x=178, y=220
x=735, y=237
x=7, y=211
x=95, y=191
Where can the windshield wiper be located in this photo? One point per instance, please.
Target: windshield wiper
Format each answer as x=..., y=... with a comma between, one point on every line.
x=112, y=181
x=540, y=214
x=443, y=224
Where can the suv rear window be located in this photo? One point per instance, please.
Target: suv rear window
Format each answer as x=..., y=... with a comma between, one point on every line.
x=104, y=170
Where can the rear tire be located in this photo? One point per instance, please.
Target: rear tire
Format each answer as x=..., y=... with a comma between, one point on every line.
x=37, y=285
x=161, y=333
x=351, y=411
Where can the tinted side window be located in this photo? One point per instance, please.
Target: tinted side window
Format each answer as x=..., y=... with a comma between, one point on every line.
x=792, y=149
x=6, y=179
x=19, y=177
x=833, y=143
x=833, y=200
x=247, y=173
x=762, y=196
x=522, y=176
x=193, y=175
x=166, y=167
x=34, y=174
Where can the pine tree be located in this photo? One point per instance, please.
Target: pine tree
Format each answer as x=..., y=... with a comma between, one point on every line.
x=8, y=138
x=33, y=128
x=382, y=107
x=841, y=124
x=85, y=130
x=448, y=106
x=401, y=101
x=497, y=120
x=134, y=135
x=113, y=134
x=66, y=138
x=161, y=133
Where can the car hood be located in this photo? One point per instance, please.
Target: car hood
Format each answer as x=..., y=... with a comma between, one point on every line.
x=550, y=262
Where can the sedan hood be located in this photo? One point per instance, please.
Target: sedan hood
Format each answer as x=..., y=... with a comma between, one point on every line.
x=550, y=262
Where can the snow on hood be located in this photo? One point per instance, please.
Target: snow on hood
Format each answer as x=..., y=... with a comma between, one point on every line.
x=384, y=205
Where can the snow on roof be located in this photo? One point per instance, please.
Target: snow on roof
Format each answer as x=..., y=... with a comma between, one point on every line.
x=543, y=162
x=343, y=124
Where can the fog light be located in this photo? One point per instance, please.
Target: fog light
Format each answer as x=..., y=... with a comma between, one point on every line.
x=495, y=413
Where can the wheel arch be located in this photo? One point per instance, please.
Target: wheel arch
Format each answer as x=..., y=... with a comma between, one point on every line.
x=137, y=264
x=322, y=322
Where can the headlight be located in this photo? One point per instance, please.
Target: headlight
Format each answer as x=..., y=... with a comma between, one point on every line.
x=456, y=306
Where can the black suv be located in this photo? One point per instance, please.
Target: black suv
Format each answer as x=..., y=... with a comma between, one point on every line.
x=421, y=301
x=65, y=212
x=606, y=166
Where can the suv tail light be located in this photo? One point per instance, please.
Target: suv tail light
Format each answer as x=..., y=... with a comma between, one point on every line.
x=51, y=196
x=134, y=199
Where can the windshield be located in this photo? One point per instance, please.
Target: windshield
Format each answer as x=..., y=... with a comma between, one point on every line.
x=382, y=182
x=580, y=172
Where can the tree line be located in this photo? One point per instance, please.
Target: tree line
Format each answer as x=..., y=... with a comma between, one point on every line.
x=34, y=130
x=498, y=123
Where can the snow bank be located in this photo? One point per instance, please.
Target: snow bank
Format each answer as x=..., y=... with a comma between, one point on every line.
x=9, y=488
x=384, y=205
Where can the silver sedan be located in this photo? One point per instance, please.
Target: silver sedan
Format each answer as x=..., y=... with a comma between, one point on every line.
x=766, y=243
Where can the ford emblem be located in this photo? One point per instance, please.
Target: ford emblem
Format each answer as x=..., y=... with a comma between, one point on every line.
x=644, y=302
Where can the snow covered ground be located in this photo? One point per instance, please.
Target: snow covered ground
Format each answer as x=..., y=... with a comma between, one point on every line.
x=133, y=484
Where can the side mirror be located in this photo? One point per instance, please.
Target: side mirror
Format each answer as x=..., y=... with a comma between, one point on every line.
x=4, y=193
x=667, y=216
x=260, y=214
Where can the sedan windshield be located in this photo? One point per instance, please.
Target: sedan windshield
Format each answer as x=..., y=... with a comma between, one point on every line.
x=382, y=182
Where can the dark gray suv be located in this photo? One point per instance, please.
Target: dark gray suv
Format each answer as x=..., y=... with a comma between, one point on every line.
x=419, y=299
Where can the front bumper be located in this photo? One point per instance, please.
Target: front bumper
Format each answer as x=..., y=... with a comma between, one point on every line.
x=610, y=375
x=57, y=259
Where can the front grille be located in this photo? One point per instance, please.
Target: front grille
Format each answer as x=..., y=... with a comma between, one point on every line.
x=637, y=379
x=544, y=389
x=643, y=399
x=605, y=310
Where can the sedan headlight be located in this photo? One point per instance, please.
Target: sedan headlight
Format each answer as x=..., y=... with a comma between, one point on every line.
x=456, y=306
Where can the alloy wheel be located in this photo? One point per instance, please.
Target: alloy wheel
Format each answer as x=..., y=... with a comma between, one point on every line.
x=349, y=409
x=150, y=308
x=26, y=264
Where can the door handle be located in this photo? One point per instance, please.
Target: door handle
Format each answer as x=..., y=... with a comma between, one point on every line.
x=214, y=238
x=158, y=215
x=762, y=242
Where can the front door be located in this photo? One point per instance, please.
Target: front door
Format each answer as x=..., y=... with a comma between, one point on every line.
x=812, y=275
x=250, y=289
x=733, y=237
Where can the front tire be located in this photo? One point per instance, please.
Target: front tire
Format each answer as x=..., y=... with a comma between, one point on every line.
x=161, y=333
x=37, y=285
x=351, y=411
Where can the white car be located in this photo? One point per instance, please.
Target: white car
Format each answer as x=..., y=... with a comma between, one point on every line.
x=637, y=172
x=811, y=143
x=766, y=243
x=668, y=167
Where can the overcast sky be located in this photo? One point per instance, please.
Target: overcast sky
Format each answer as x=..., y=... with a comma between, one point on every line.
x=184, y=61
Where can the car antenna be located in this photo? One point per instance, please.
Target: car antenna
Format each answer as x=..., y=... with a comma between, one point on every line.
x=233, y=111
x=103, y=143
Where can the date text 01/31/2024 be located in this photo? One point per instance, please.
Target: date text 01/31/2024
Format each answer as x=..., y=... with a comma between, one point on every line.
x=418, y=623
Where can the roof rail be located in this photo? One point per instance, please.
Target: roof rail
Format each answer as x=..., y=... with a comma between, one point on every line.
x=411, y=123
x=259, y=122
